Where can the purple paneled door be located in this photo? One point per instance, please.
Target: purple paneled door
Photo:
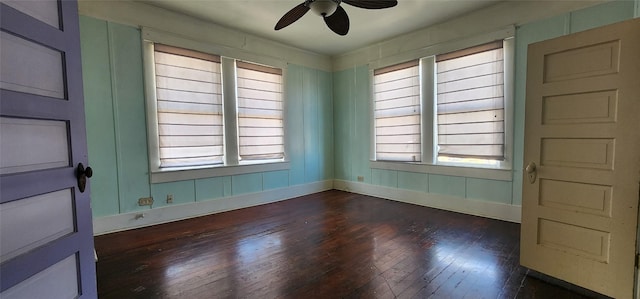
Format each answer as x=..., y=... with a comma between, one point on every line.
x=46, y=234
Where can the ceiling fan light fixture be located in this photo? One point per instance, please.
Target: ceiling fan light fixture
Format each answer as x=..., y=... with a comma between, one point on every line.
x=333, y=15
x=324, y=8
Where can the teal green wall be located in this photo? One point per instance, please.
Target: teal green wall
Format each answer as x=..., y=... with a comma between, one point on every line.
x=352, y=128
x=116, y=128
x=114, y=105
x=352, y=115
x=327, y=121
x=572, y=22
x=352, y=139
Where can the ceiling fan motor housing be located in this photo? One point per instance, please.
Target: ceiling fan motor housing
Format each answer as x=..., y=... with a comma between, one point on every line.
x=333, y=15
x=324, y=8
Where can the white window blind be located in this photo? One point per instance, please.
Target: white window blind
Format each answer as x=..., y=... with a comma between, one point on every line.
x=397, y=112
x=260, y=127
x=470, y=103
x=189, y=105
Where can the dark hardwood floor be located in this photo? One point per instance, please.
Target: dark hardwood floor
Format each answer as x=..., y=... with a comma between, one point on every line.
x=327, y=245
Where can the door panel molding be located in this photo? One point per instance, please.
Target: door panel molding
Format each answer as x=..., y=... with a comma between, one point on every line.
x=57, y=281
x=18, y=186
x=40, y=182
x=19, y=23
x=24, y=266
x=579, y=218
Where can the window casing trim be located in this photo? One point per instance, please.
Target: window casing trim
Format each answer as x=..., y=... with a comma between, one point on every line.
x=450, y=170
x=181, y=41
x=177, y=174
x=444, y=47
x=232, y=166
x=502, y=171
x=153, y=140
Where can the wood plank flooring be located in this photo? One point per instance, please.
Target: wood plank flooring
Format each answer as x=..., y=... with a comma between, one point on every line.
x=327, y=245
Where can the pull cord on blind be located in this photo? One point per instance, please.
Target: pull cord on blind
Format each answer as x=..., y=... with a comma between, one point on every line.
x=470, y=103
x=397, y=112
x=260, y=112
x=189, y=105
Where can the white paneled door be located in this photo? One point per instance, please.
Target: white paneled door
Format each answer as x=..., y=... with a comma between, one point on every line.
x=46, y=234
x=582, y=158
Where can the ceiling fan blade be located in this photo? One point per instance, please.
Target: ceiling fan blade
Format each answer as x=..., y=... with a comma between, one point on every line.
x=372, y=4
x=338, y=21
x=292, y=16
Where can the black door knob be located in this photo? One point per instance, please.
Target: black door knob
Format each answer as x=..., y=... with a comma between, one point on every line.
x=82, y=174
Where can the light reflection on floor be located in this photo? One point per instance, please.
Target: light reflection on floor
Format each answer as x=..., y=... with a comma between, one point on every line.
x=445, y=261
x=249, y=250
x=474, y=259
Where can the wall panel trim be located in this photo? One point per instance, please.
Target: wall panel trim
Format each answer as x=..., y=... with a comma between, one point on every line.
x=121, y=222
x=139, y=14
x=494, y=210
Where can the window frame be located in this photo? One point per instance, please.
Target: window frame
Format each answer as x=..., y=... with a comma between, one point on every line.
x=228, y=57
x=483, y=48
x=503, y=170
x=263, y=72
x=409, y=65
x=172, y=53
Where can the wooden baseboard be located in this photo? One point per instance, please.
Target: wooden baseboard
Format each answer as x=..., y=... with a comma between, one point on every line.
x=120, y=222
x=494, y=210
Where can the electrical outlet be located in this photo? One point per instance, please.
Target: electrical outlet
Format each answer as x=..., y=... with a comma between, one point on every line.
x=169, y=198
x=145, y=201
x=360, y=178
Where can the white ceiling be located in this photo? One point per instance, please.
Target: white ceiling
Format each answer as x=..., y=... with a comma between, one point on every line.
x=258, y=17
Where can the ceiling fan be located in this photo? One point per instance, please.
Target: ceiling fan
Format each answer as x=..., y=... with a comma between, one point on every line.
x=334, y=16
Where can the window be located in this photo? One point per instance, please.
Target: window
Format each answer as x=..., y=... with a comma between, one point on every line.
x=260, y=129
x=189, y=107
x=397, y=112
x=206, y=111
x=470, y=104
x=446, y=109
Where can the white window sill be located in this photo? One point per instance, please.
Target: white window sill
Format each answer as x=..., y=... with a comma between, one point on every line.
x=461, y=171
x=173, y=175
